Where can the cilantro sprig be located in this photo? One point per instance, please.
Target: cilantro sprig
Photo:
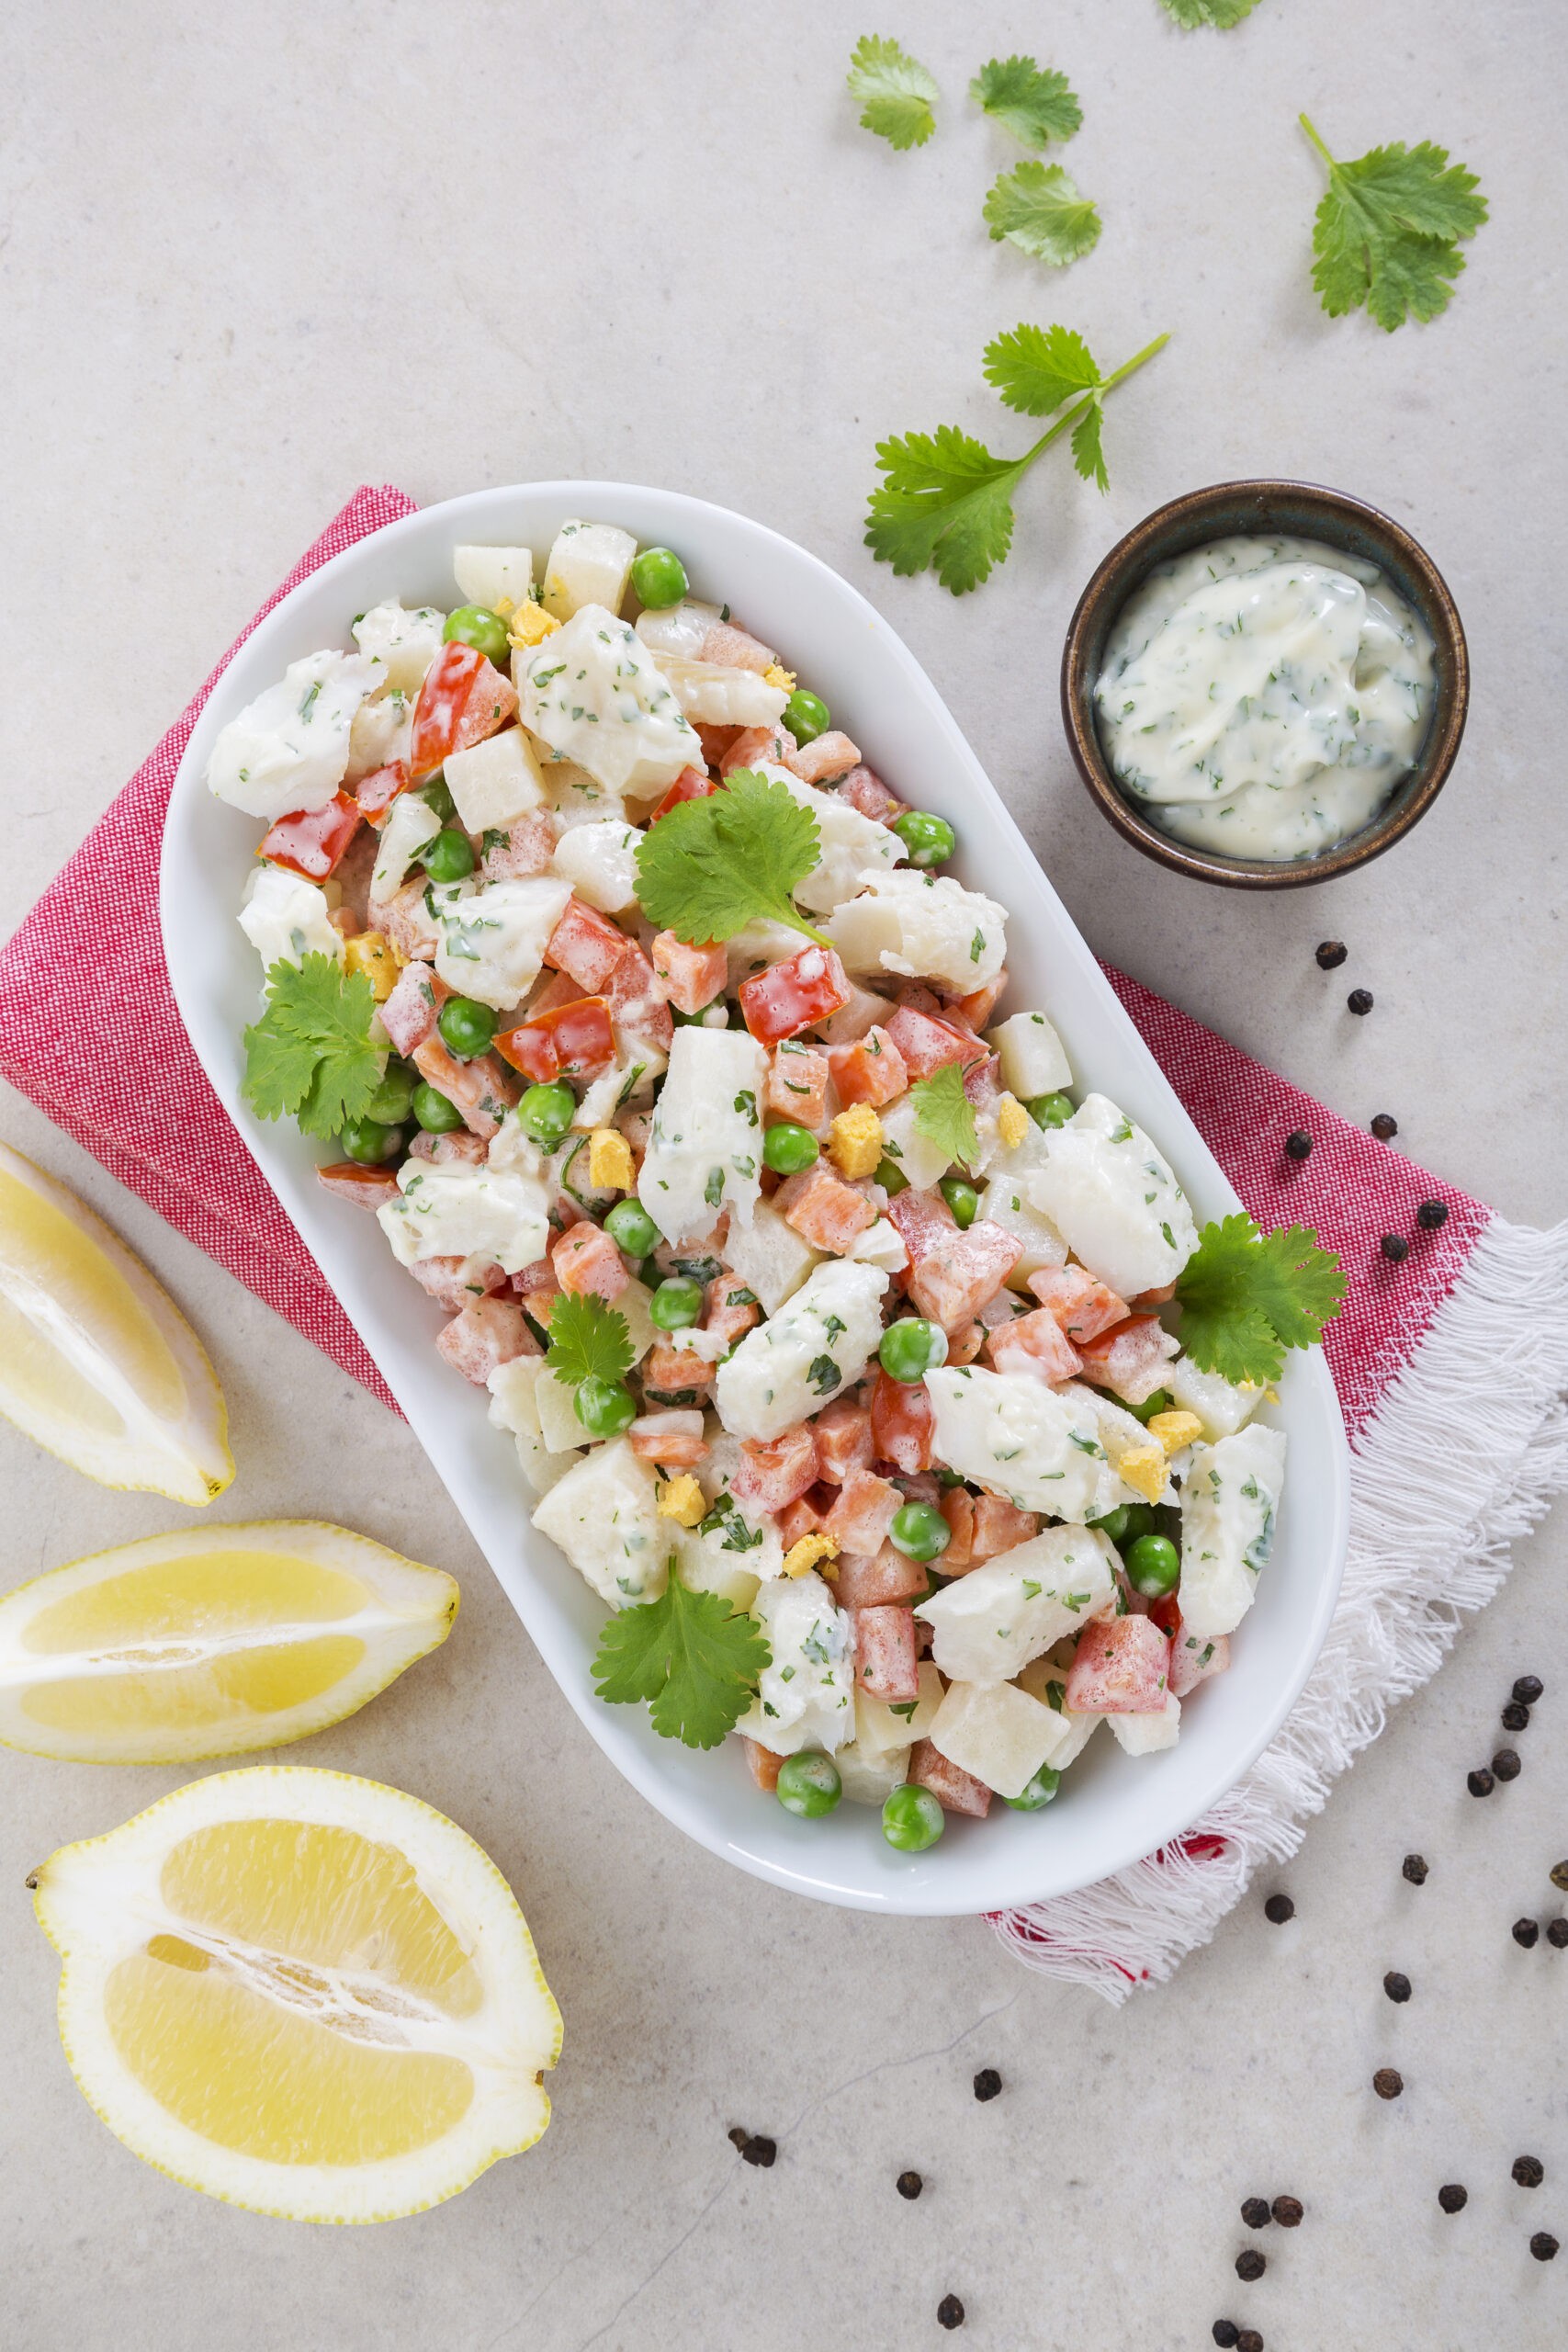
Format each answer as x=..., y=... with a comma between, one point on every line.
x=1221, y=13
x=588, y=1339
x=945, y=1115
x=712, y=867
x=1247, y=1296
x=1037, y=207
x=1388, y=229
x=311, y=1052
x=1034, y=103
x=897, y=93
x=692, y=1657
x=945, y=502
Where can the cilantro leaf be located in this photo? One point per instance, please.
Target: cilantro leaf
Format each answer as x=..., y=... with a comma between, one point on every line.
x=1221, y=13
x=1037, y=207
x=945, y=502
x=1247, y=1296
x=711, y=866
x=1036, y=369
x=311, y=1052
x=588, y=1339
x=690, y=1655
x=898, y=92
x=945, y=1115
x=1388, y=229
x=1034, y=103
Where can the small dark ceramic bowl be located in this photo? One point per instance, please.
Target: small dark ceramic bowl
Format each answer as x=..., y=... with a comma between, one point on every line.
x=1304, y=511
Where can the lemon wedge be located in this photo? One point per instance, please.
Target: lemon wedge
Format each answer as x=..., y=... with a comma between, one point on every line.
x=303, y=1993
x=96, y=1362
x=210, y=1641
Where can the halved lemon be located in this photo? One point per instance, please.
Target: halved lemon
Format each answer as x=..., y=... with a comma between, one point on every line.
x=211, y=1641
x=96, y=1362
x=302, y=1993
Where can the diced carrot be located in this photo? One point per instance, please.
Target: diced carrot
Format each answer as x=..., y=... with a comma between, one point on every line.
x=798, y=1083
x=409, y=1014
x=489, y=1333
x=823, y=1209
x=367, y=1188
x=976, y=1009
x=1122, y=1667
x=691, y=783
x=715, y=740
x=872, y=1070
x=1081, y=1305
x=843, y=1441
x=735, y=649
x=403, y=921
x=927, y=1044
x=864, y=790
x=953, y=1282
x=1153, y=1297
x=1195, y=1657
x=886, y=1663
x=688, y=978
x=464, y=698
x=965, y=1345
x=796, y=994
x=574, y=1040
x=312, y=840
x=525, y=847
x=764, y=1764
x=459, y=1148
x=752, y=744
x=773, y=1471
x=1035, y=1343
x=731, y=1310
x=901, y=1423
x=999, y=1526
x=863, y=1513
x=954, y=1791
x=674, y=1372
x=636, y=1003
x=587, y=1263
x=797, y=1519
x=674, y=1440
x=872, y=1580
x=1129, y=1359
x=924, y=1221
x=957, y=1507
x=456, y=1283
x=377, y=791
x=828, y=756
x=480, y=1089
x=588, y=946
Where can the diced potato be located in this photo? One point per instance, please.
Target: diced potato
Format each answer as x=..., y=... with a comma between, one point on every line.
x=869, y=1775
x=555, y=1403
x=707, y=1566
x=1222, y=1408
x=1146, y=1734
x=513, y=1406
x=1045, y=1678
x=497, y=578
x=495, y=782
x=998, y=1734
x=1032, y=1058
x=1005, y=1201
x=603, y=1515
x=882, y=1728
x=769, y=1257
x=918, y=1160
x=589, y=564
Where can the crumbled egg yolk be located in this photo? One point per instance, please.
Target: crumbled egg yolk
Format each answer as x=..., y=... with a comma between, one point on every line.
x=1012, y=1121
x=530, y=624
x=777, y=675
x=1174, y=1430
x=374, y=956
x=811, y=1551
x=610, y=1166
x=1142, y=1468
x=681, y=1499
x=855, y=1144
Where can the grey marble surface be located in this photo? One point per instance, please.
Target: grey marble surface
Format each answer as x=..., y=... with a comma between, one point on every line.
x=255, y=255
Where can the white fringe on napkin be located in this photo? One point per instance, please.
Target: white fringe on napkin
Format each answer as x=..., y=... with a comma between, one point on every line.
x=1480, y=1407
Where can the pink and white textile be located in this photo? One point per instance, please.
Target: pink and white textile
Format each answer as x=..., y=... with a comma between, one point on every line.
x=1451, y=1368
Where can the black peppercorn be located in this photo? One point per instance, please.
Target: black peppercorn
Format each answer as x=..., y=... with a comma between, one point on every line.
x=1396, y=1986
x=1432, y=1214
x=1507, y=1765
x=909, y=2184
x=1255, y=2212
x=1395, y=1248
x=950, y=2311
x=1298, y=1145
x=1453, y=2197
x=987, y=2082
x=1332, y=953
x=1528, y=1689
x=1225, y=2332
x=1250, y=2264
x=1388, y=2082
x=1543, y=2245
x=1287, y=2211
x=739, y=2135
x=1480, y=1784
x=1386, y=1126
x=1527, y=1932
x=1360, y=999
x=1528, y=2171
x=1249, y=2341
x=1278, y=1909
x=1559, y=1875
x=760, y=2151
x=1557, y=1934
x=1516, y=1717
x=1414, y=1868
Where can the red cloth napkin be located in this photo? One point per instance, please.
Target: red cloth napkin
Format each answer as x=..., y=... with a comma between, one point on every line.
x=89, y=960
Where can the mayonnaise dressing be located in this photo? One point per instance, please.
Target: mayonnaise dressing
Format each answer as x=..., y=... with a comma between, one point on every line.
x=1264, y=696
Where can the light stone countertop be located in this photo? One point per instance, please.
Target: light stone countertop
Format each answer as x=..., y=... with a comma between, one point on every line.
x=253, y=255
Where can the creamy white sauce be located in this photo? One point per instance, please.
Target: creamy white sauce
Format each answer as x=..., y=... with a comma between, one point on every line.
x=1264, y=696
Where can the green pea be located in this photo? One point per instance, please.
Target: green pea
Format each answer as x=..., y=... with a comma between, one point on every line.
x=807, y=716
x=911, y=1347
x=1159, y=1403
x=448, y=858
x=438, y=792
x=659, y=578
x=369, y=1142
x=1113, y=1524
x=1038, y=1791
x=920, y=1531
x=546, y=1112
x=891, y=1177
x=477, y=625
x=393, y=1099
x=466, y=1025
x=677, y=1303
x=631, y=1229
x=604, y=1408
x=1154, y=1567
x=930, y=841
x=808, y=1784
x=1049, y=1110
x=962, y=1199
x=1141, y=1518
x=912, y=1819
x=786, y=1148
x=436, y=1114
